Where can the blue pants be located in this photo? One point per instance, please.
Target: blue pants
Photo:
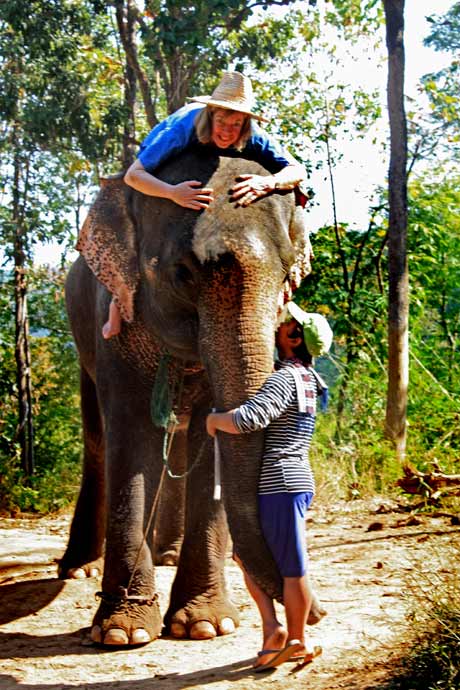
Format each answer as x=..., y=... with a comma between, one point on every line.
x=282, y=518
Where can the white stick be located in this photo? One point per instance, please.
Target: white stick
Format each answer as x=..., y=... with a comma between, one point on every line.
x=217, y=480
x=217, y=477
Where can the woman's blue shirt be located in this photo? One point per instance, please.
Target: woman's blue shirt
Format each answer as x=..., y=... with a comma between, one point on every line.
x=177, y=132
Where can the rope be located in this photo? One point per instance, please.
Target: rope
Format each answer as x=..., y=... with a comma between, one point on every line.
x=144, y=536
x=162, y=414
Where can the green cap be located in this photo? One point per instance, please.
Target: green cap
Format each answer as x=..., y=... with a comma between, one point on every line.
x=316, y=331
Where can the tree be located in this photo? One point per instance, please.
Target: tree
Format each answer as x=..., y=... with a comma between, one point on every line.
x=434, y=253
x=57, y=438
x=176, y=50
x=45, y=108
x=398, y=275
x=443, y=87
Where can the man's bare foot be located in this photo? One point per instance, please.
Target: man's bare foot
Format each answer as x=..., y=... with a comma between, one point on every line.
x=309, y=652
x=274, y=640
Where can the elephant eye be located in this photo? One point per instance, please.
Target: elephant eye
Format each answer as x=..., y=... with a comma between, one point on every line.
x=183, y=273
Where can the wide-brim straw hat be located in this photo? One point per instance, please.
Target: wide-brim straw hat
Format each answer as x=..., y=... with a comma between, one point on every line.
x=234, y=92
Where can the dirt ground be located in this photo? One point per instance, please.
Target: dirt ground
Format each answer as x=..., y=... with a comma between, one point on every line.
x=361, y=554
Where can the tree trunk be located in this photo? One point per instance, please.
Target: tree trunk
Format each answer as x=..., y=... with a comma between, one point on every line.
x=129, y=131
x=126, y=20
x=398, y=359
x=25, y=433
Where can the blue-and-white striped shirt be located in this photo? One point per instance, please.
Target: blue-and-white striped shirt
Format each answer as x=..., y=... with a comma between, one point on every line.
x=285, y=465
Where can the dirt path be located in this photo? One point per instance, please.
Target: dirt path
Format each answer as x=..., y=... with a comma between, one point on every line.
x=361, y=555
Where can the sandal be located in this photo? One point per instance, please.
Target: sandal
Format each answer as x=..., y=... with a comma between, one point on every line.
x=283, y=655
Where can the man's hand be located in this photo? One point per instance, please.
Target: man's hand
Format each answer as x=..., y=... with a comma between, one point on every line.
x=249, y=188
x=221, y=421
x=191, y=194
x=211, y=424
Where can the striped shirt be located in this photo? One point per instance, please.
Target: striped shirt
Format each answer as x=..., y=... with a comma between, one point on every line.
x=285, y=465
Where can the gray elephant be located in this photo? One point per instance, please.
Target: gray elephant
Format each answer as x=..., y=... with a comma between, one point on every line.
x=202, y=289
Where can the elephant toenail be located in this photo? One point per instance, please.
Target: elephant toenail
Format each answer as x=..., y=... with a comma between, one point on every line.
x=140, y=636
x=76, y=574
x=178, y=630
x=96, y=635
x=226, y=626
x=116, y=636
x=93, y=572
x=202, y=630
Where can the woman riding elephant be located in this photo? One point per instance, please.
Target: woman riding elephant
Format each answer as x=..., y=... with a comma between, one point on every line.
x=223, y=122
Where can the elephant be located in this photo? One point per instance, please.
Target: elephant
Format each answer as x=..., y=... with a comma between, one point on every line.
x=198, y=293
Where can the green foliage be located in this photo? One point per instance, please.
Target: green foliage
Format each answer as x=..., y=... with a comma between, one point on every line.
x=48, y=75
x=361, y=462
x=186, y=46
x=348, y=285
x=443, y=87
x=310, y=104
x=55, y=400
x=445, y=30
x=53, y=189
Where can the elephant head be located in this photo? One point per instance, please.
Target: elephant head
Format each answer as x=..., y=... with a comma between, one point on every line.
x=206, y=286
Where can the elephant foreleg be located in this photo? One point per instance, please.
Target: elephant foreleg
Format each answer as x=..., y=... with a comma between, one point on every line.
x=129, y=609
x=83, y=556
x=199, y=606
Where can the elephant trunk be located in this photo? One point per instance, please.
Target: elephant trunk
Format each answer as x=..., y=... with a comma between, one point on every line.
x=237, y=340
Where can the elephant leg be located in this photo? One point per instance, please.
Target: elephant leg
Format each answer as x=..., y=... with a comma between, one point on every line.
x=83, y=556
x=169, y=520
x=199, y=605
x=129, y=611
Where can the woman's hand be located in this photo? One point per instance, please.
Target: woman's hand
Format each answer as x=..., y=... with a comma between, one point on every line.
x=191, y=194
x=249, y=188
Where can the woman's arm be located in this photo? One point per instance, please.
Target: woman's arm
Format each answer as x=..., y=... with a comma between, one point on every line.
x=287, y=171
x=252, y=187
x=189, y=194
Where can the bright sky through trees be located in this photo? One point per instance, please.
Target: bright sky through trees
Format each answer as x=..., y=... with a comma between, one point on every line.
x=364, y=165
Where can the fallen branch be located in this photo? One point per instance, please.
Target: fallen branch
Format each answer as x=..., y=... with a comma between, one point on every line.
x=429, y=484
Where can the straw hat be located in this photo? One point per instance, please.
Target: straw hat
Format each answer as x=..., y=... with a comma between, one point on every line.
x=234, y=92
x=316, y=331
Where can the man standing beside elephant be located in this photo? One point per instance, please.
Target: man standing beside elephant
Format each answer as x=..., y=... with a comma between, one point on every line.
x=223, y=121
x=286, y=407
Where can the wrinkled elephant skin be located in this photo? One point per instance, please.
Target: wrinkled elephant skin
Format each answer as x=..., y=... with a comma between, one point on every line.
x=204, y=289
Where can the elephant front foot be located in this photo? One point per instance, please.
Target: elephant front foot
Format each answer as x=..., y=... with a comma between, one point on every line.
x=79, y=572
x=121, y=621
x=202, y=619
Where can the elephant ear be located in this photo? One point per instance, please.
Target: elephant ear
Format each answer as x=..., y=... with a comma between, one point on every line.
x=107, y=241
x=300, y=238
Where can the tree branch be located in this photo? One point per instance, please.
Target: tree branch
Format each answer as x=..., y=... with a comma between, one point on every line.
x=130, y=49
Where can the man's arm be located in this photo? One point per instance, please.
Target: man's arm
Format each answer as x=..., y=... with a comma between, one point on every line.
x=221, y=421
